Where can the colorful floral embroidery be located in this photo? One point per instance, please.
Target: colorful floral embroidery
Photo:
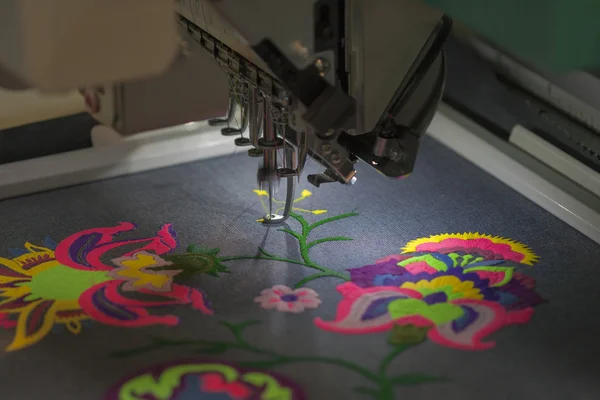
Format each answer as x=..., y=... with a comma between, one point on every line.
x=44, y=286
x=459, y=287
x=379, y=382
x=490, y=247
x=283, y=298
x=453, y=289
x=202, y=379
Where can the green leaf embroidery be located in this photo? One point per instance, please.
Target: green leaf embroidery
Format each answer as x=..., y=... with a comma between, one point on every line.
x=407, y=335
x=439, y=313
x=328, y=239
x=196, y=261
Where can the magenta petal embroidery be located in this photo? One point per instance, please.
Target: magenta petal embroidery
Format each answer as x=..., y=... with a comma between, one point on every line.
x=482, y=319
x=459, y=288
x=365, y=310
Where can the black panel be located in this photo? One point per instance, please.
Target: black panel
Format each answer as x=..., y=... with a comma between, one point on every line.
x=46, y=138
x=307, y=85
x=330, y=34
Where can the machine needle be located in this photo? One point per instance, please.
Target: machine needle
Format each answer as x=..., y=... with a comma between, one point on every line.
x=270, y=201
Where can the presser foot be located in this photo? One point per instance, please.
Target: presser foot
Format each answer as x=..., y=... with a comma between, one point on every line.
x=276, y=218
x=242, y=142
x=217, y=121
x=230, y=131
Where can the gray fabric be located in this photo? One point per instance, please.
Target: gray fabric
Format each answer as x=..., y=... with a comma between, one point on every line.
x=554, y=356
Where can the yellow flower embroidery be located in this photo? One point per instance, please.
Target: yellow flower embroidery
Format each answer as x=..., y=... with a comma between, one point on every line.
x=451, y=285
x=135, y=271
x=505, y=248
x=281, y=204
x=39, y=292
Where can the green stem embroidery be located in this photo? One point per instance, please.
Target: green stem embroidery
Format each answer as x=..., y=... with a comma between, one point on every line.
x=311, y=278
x=264, y=256
x=328, y=239
x=330, y=219
x=305, y=246
x=384, y=385
x=385, y=363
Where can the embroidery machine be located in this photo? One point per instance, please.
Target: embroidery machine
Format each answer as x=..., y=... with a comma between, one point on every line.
x=336, y=80
x=310, y=78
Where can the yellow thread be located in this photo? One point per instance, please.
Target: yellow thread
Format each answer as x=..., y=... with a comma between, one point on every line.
x=74, y=327
x=24, y=336
x=135, y=269
x=451, y=285
x=304, y=195
x=261, y=192
x=315, y=212
x=529, y=257
x=72, y=321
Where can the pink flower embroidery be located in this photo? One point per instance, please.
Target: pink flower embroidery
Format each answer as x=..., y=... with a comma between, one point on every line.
x=109, y=302
x=79, y=279
x=458, y=288
x=285, y=299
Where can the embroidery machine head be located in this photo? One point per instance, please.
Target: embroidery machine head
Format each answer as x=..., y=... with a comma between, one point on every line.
x=336, y=80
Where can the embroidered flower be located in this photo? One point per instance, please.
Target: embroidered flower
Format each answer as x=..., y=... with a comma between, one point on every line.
x=42, y=286
x=283, y=298
x=487, y=246
x=461, y=298
x=138, y=272
x=199, y=379
x=281, y=204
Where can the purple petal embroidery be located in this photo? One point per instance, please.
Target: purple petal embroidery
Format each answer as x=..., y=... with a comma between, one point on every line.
x=82, y=246
x=378, y=308
x=364, y=277
x=469, y=316
x=515, y=295
x=437, y=297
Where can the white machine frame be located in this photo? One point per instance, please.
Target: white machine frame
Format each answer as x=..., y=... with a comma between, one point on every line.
x=523, y=170
x=113, y=155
